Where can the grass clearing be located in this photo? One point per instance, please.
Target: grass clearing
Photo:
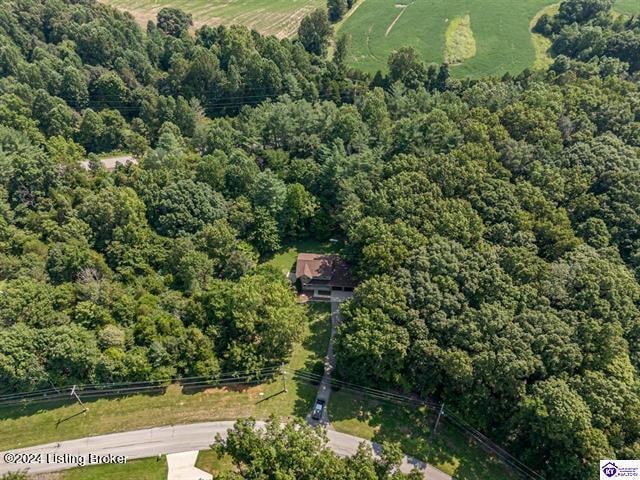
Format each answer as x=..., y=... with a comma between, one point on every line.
x=209, y=461
x=285, y=259
x=501, y=29
x=450, y=451
x=460, y=44
x=628, y=7
x=542, y=44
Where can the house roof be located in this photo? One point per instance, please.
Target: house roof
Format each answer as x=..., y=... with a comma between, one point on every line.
x=330, y=267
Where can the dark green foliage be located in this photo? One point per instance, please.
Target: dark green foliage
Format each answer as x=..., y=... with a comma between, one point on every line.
x=588, y=30
x=315, y=31
x=173, y=21
x=185, y=207
x=336, y=9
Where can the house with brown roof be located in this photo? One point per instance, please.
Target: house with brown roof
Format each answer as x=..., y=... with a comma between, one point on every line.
x=319, y=275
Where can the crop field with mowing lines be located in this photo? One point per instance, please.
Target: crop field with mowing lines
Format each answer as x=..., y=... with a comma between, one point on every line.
x=500, y=28
x=271, y=17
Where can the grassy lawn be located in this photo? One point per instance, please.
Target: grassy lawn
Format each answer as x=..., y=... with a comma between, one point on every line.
x=145, y=469
x=271, y=17
x=460, y=44
x=542, y=44
x=209, y=461
x=285, y=259
x=628, y=7
x=450, y=451
x=31, y=425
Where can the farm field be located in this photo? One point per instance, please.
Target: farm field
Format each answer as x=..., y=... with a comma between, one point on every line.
x=500, y=29
x=270, y=17
x=629, y=7
x=495, y=37
x=499, y=36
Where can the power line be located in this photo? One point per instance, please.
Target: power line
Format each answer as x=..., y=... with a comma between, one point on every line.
x=224, y=104
x=106, y=388
x=255, y=375
x=444, y=413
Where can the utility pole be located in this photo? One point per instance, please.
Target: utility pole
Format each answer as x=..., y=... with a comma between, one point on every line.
x=440, y=413
x=74, y=394
x=435, y=427
x=284, y=378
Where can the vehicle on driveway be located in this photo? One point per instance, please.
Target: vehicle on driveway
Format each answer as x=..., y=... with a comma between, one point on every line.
x=318, y=409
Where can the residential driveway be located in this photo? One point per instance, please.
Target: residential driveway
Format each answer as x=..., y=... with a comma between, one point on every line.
x=175, y=439
x=324, y=389
x=110, y=163
x=181, y=466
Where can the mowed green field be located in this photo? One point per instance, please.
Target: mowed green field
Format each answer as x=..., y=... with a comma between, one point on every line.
x=270, y=17
x=501, y=30
x=629, y=7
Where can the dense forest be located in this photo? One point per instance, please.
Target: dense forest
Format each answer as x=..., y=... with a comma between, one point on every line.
x=494, y=223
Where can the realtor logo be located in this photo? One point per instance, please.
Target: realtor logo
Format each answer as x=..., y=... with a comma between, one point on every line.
x=610, y=469
x=627, y=469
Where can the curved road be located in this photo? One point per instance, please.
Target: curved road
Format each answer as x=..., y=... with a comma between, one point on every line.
x=164, y=440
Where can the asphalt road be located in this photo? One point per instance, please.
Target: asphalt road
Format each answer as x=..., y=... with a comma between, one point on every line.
x=163, y=440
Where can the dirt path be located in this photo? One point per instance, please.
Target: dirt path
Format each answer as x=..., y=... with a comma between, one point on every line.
x=403, y=9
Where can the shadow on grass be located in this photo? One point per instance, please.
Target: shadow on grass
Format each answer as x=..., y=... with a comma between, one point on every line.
x=70, y=417
x=237, y=388
x=31, y=408
x=306, y=396
x=411, y=427
x=269, y=397
x=318, y=339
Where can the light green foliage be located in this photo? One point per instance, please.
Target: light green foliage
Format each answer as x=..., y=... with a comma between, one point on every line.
x=295, y=450
x=257, y=319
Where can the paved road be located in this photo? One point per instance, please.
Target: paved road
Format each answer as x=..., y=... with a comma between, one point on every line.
x=179, y=438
